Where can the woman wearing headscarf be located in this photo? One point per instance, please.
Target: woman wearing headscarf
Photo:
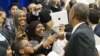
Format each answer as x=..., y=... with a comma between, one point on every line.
x=41, y=45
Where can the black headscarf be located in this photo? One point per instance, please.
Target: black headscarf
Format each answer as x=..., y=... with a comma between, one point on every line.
x=31, y=30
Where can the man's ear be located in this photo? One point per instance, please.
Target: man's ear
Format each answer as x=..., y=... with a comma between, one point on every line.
x=88, y=21
x=21, y=51
x=73, y=15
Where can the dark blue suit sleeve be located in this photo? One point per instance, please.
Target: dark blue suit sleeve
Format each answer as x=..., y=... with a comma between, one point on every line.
x=84, y=44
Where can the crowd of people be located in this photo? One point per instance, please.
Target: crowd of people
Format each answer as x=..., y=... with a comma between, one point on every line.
x=28, y=31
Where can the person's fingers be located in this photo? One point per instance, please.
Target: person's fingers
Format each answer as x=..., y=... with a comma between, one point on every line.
x=43, y=41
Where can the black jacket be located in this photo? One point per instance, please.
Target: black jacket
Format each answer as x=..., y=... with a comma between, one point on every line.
x=82, y=42
x=97, y=30
x=2, y=51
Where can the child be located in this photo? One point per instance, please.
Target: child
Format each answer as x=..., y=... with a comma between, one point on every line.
x=58, y=46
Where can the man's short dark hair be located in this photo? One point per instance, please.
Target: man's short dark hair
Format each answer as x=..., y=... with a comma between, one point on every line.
x=13, y=4
x=92, y=5
x=81, y=11
x=94, y=16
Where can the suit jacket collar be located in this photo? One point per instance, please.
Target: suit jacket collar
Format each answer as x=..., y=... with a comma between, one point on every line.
x=76, y=26
x=97, y=27
x=83, y=25
x=94, y=26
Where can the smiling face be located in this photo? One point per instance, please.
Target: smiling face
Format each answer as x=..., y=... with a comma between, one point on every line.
x=39, y=31
x=22, y=18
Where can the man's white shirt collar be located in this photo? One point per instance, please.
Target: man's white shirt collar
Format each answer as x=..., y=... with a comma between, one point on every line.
x=76, y=26
x=93, y=27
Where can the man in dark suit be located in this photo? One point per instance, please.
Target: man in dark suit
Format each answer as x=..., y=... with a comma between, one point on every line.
x=81, y=42
x=93, y=21
x=97, y=29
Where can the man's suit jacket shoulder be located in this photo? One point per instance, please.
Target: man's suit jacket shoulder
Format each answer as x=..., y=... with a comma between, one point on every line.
x=97, y=30
x=82, y=42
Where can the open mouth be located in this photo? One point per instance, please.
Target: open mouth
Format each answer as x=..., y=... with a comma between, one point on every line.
x=41, y=32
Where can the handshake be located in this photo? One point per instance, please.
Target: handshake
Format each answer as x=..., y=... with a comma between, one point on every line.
x=52, y=38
